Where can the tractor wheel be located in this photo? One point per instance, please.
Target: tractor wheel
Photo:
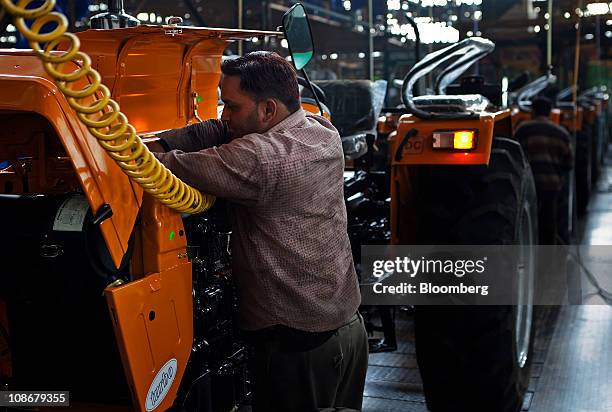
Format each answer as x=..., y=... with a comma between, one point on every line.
x=478, y=358
x=583, y=171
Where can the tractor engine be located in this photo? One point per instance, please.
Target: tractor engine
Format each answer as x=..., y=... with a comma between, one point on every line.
x=58, y=331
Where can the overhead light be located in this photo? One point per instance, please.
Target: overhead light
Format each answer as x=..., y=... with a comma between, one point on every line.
x=469, y=33
x=362, y=55
x=468, y=2
x=333, y=56
x=432, y=3
x=589, y=36
x=376, y=54
x=393, y=5
x=567, y=15
x=536, y=29
x=596, y=9
x=609, y=34
x=546, y=26
x=284, y=43
x=546, y=16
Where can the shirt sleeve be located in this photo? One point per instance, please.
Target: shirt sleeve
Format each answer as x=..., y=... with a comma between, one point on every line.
x=568, y=154
x=232, y=170
x=196, y=136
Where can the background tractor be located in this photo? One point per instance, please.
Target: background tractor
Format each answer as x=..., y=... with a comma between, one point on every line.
x=458, y=177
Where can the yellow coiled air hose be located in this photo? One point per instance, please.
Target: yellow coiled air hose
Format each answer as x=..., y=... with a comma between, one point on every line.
x=103, y=117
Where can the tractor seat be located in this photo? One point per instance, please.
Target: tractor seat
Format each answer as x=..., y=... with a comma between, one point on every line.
x=452, y=103
x=351, y=105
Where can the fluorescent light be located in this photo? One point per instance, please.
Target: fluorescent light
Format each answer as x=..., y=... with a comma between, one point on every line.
x=598, y=8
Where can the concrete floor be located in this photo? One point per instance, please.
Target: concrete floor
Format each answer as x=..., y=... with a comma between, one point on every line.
x=572, y=369
x=577, y=374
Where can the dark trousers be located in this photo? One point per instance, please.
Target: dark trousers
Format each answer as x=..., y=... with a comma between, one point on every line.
x=548, y=217
x=297, y=371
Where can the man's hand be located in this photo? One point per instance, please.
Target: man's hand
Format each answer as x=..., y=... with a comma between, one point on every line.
x=154, y=145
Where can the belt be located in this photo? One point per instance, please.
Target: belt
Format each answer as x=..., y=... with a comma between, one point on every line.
x=285, y=338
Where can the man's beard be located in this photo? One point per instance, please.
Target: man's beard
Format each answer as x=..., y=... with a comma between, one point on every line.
x=251, y=125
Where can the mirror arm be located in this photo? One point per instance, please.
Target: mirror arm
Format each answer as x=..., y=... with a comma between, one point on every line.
x=312, y=90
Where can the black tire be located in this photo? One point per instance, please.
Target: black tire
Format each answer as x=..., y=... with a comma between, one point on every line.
x=468, y=356
x=583, y=171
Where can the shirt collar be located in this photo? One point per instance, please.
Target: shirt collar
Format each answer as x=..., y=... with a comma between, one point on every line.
x=290, y=121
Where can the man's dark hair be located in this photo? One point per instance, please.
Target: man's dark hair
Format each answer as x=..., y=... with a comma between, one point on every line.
x=541, y=106
x=265, y=75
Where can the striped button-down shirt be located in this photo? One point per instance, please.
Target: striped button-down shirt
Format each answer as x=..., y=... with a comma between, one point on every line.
x=292, y=259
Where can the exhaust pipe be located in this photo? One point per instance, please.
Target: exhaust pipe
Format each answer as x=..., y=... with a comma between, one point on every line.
x=114, y=18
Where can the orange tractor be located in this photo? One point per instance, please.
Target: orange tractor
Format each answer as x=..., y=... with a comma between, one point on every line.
x=87, y=211
x=459, y=178
x=114, y=281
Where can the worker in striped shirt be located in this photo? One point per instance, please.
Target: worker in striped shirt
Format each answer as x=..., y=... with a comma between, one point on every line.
x=549, y=150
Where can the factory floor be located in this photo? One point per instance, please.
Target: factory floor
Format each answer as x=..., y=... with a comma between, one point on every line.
x=572, y=364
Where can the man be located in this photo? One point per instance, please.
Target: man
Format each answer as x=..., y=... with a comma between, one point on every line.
x=282, y=171
x=548, y=148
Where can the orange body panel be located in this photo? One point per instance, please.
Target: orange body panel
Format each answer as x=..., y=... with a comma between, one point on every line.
x=419, y=149
x=591, y=115
x=155, y=73
x=387, y=124
x=153, y=316
x=519, y=116
x=163, y=77
x=25, y=88
x=571, y=118
x=314, y=109
x=555, y=115
x=404, y=190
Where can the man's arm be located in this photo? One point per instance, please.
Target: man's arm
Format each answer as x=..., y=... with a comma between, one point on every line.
x=233, y=170
x=192, y=138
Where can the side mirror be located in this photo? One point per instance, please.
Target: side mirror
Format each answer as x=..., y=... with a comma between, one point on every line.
x=299, y=36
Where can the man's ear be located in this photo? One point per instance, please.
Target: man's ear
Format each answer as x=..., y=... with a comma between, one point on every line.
x=270, y=108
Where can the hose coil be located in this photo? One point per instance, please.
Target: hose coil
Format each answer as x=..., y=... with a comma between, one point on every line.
x=103, y=116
